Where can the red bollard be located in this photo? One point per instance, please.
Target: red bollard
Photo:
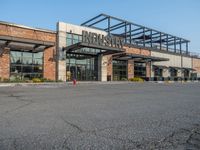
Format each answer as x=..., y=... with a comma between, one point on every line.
x=74, y=82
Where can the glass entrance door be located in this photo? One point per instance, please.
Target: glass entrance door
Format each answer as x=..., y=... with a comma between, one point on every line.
x=81, y=72
x=81, y=68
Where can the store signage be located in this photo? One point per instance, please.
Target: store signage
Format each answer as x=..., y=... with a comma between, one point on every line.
x=102, y=40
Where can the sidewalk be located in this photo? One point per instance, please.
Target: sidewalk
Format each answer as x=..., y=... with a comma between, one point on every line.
x=87, y=83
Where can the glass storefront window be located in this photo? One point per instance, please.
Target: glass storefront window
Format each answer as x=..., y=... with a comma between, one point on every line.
x=73, y=38
x=173, y=72
x=140, y=69
x=186, y=73
x=158, y=72
x=119, y=70
x=26, y=65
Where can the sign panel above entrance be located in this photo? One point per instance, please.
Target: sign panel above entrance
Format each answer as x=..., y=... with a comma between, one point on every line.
x=96, y=44
x=102, y=40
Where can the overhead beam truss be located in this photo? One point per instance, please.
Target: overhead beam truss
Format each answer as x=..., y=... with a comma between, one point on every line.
x=137, y=34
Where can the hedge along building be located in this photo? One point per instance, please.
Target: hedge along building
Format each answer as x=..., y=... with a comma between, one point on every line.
x=26, y=52
x=146, y=53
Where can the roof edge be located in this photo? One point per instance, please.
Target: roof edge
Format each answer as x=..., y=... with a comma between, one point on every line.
x=26, y=27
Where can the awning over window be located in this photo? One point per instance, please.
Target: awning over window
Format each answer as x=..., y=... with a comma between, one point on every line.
x=160, y=67
x=183, y=68
x=189, y=69
x=24, y=44
x=90, y=49
x=127, y=56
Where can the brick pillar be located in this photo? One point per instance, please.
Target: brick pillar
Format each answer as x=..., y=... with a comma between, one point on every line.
x=5, y=63
x=50, y=63
x=130, y=69
x=148, y=69
x=109, y=67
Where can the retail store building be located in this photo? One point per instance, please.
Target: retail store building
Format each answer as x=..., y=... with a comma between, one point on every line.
x=104, y=48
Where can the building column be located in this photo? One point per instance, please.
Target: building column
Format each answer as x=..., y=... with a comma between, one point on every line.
x=148, y=69
x=179, y=73
x=152, y=71
x=102, y=68
x=61, y=55
x=5, y=63
x=166, y=72
x=109, y=68
x=130, y=69
x=49, y=63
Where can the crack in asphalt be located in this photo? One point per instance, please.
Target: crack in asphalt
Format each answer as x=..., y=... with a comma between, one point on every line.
x=172, y=141
x=19, y=98
x=73, y=125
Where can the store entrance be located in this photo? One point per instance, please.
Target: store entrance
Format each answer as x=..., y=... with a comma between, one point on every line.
x=78, y=72
x=81, y=68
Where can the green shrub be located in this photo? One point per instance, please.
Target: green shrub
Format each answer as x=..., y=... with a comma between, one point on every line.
x=46, y=80
x=136, y=79
x=124, y=79
x=36, y=80
x=5, y=80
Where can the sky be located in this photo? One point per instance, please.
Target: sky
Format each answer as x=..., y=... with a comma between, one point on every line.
x=177, y=17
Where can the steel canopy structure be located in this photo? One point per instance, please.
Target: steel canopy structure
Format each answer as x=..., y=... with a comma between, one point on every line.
x=24, y=44
x=93, y=50
x=138, y=35
x=127, y=56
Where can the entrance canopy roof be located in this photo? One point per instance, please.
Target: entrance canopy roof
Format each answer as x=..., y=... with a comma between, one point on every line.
x=160, y=67
x=90, y=49
x=183, y=68
x=127, y=56
x=24, y=44
x=138, y=35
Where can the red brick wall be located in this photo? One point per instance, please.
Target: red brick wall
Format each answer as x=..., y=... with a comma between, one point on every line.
x=130, y=69
x=132, y=50
x=20, y=32
x=138, y=51
x=26, y=33
x=196, y=64
x=5, y=64
x=50, y=64
x=148, y=69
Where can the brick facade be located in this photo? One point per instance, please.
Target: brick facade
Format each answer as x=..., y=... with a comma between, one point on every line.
x=50, y=63
x=5, y=64
x=139, y=51
x=31, y=34
x=196, y=64
x=130, y=69
x=132, y=50
x=148, y=69
x=26, y=33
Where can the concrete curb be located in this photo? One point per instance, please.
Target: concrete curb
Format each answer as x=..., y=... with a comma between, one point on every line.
x=86, y=83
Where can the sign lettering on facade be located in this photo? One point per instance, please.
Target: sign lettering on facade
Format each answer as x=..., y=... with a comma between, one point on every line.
x=101, y=40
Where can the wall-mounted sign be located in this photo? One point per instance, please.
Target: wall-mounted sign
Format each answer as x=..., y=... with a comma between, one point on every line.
x=101, y=40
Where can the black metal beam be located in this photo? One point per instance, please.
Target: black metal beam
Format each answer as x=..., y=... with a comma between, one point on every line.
x=97, y=22
x=186, y=47
x=108, y=25
x=172, y=43
x=130, y=41
x=125, y=30
x=91, y=20
x=134, y=30
x=116, y=25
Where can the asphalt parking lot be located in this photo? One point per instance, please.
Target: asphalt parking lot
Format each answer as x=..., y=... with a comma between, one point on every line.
x=100, y=116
